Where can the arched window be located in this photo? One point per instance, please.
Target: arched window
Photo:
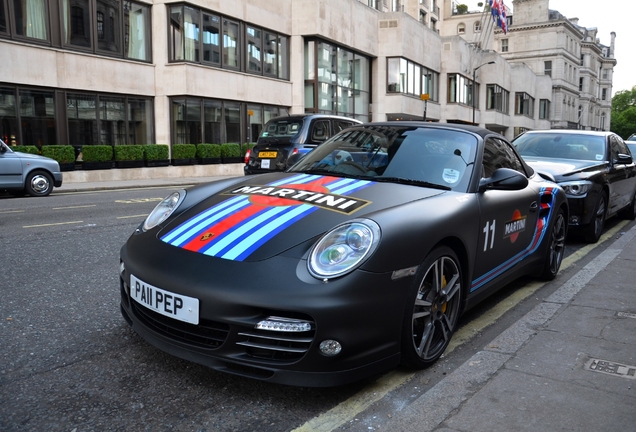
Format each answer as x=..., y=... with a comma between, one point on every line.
x=461, y=28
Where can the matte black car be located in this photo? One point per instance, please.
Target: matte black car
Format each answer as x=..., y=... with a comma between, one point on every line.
x=596, y=170
x=293, y=135
x=360, y=257
x=22, y=173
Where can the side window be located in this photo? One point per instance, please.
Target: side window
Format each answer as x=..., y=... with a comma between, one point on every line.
x=499, y=154
x=339, y=125
x=320, y=131
x=621, y=147
x=614, y=148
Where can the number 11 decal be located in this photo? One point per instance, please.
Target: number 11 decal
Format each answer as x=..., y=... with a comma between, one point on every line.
x=489, y=230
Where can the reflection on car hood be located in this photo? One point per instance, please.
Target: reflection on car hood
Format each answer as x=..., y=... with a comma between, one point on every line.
x=32, y=156
x=269, y=214
x=564, y=167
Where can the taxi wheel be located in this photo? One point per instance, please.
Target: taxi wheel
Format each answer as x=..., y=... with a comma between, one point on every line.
x=433, y=309
x=556, y=247
x=39, y=184
x=595, y=227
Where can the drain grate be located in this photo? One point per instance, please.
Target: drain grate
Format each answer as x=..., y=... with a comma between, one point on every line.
x=611, y=368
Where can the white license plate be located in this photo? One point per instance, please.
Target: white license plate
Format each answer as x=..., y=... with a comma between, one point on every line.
x=265, y=164
x=177, y=306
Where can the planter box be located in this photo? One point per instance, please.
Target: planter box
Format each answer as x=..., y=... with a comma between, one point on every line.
x=97, y=165
x=67, y=166
x=129, y=164
x=207, y=161
x=230, y=159
x=157, y=162
x=183, y=161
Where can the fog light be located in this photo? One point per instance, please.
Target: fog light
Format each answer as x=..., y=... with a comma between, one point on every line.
x=283, y=325
x=330, y=347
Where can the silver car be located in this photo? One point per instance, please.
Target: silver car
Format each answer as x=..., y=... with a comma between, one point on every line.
x=22, y=173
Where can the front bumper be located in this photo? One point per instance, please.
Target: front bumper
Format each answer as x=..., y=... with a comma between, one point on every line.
x=362, y=311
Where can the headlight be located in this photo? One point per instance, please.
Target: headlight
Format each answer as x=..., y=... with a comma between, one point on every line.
x=163, y=210
x=344, y=248
x=576, y=188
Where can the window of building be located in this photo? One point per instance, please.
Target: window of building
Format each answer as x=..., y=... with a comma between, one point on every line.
x=337, y=80
x=410, y=78
x=214, y=121
x=477, y=26
x=544, y=109
x=497, y=98
x=504, y=45
x=433, y=24
x=460, y=90
x=581, y=84
x=226, y=43
x=547, y=68
x=604, y=94
x=461, y=28
x=396, y=6
x=422, y=17
x=30, y=19
x=524, y=104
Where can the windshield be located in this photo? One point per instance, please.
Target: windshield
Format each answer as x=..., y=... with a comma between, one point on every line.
x=561, y=146
x=281, y=128
x=401, y=154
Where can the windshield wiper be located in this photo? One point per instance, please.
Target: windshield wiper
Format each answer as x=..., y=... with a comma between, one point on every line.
x=411, y=182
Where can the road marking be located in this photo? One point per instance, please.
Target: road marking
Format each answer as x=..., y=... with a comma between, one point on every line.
x=133, y=216
x=74, y=207
x=11, y=211
x=138, y=200
x=348, y=409
x=52, y=224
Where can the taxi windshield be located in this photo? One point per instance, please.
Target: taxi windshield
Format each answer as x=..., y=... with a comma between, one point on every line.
x=281, y=128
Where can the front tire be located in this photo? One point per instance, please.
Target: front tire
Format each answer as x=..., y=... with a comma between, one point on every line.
x=433, y=309
x=595, y=228
x=39, y=184
x=556, y=248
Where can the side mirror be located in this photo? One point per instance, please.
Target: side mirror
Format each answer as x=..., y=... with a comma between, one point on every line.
x=623, y=159
x=504, y=179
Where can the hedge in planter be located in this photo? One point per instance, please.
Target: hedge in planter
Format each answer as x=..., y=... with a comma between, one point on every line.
x=97, y=156
x=208, y=153
x=183, y=154
x=231, y=153
x=26, y=149
x=63, y=154
x=156, y=155
x=129, y=156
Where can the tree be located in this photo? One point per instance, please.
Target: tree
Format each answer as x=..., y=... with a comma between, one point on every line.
x=461, y=9
x=624, y=113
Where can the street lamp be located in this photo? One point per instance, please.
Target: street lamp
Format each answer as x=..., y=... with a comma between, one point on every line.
x=475, y=85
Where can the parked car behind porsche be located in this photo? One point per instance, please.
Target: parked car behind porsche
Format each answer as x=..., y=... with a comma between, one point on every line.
x=27, y=173
x=596, y=170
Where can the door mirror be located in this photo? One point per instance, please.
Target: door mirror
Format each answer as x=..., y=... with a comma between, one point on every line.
x=504, y=179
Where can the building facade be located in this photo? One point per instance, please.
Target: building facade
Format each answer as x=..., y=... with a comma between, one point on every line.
x=115, y=72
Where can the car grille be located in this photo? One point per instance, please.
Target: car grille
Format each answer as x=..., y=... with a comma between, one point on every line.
x=208, y=334
x=276, y=346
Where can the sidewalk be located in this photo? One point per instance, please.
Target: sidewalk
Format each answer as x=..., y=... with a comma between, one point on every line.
x=568, y=365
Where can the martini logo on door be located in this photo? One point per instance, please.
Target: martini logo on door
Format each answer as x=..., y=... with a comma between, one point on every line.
x=513, y=227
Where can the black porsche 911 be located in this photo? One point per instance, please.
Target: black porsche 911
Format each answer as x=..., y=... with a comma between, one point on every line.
x=596, y=170
x=360, y=257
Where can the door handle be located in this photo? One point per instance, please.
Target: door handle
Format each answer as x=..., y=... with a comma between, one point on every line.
x=534, y=207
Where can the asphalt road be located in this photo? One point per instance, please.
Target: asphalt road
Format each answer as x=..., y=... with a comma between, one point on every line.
x=68, y=360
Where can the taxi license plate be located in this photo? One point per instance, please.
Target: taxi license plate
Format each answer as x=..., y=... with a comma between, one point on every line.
x=176, y=306
x=267, y=154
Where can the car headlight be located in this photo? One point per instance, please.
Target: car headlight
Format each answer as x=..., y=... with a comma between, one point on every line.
x=343, y=248
x=163, y=210
x=576, y=188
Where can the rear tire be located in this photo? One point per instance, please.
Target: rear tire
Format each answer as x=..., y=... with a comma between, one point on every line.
x=433, y=309
x=595, y=228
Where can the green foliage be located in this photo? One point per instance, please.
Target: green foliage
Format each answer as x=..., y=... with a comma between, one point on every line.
x=184, y=151
x=97, y=153
x=155, y=152
x=461, y=9
x=624, y=113
x=231, y=150
x=26, y=149
x=61, y=153
x=208, y=151
x=131, y=152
